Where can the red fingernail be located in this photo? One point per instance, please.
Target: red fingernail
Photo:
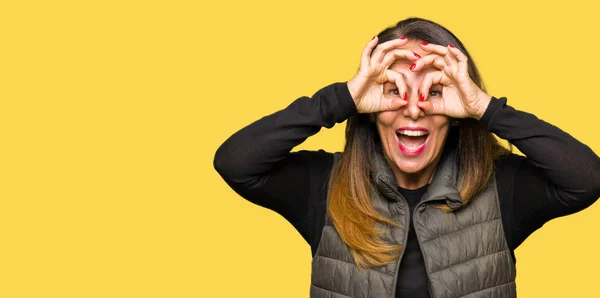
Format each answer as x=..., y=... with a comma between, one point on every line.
x=405, y=96
x=373, y=37
x=404, y=37
x=450, y=45
x=412, y=67
x=421, y=97
x=417, y=55
x=424, y=43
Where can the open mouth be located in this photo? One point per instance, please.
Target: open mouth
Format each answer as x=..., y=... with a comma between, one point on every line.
x=412, y=141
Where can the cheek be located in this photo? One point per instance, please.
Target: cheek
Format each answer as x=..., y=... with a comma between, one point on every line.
x=441, y=123
x=386, y=118
x=442, y=127
x=384, y=122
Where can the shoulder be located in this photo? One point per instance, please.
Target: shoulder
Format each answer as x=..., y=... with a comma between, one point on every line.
x=316, y=158
x=506, y=168
x=512, y=167
x=508, y=162
x=318, y=163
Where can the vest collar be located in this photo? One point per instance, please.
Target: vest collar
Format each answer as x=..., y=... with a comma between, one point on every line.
x=443, y=186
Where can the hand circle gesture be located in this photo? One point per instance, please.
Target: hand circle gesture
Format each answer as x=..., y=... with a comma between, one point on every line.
x=366, y=87
x=461, y=97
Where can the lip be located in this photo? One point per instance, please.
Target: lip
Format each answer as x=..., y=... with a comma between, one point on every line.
x=420, y=149
x=413, y=128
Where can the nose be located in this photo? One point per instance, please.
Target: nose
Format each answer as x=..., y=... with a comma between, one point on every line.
x=411, y=110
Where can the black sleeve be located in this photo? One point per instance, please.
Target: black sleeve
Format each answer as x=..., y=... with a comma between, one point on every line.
x=256, y=161
x=559, y=175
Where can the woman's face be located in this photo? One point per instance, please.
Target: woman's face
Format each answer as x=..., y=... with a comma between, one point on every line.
x=412, y=142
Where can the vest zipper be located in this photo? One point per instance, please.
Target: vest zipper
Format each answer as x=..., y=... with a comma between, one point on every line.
x=404, y=249
x=419, y=241
x=414, y=219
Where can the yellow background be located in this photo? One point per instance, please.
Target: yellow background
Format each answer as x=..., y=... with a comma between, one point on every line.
x=111, y=112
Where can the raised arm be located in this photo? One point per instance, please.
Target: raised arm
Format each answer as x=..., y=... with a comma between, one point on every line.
x=256, y=161
x=559, y=175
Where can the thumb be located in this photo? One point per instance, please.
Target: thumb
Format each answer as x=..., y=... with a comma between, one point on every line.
x=430, y=106
x=396, y=104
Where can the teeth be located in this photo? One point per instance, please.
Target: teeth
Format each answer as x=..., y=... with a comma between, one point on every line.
x=413, y=133
x=412, y=148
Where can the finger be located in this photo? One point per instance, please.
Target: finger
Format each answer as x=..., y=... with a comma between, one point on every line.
x=386, y=46
x=398, y=80
x=463, y=60
x=450, y=58
x=364, y=60
x=434, y=48
x=431, y=106
x=395, y=104
x=431, y=59
x=396, y=54
x=430, y=79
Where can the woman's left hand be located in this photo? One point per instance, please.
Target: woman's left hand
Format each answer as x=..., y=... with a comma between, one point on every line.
x=461, y=97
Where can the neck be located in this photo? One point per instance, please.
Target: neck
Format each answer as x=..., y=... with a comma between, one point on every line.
x=414, y=180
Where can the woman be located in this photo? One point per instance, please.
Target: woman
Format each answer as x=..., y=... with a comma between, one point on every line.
x=423, y=201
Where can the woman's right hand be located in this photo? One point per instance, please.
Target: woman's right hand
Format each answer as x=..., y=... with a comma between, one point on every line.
x=366, y=87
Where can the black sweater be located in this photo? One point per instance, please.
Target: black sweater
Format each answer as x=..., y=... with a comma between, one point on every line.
x=558, y=176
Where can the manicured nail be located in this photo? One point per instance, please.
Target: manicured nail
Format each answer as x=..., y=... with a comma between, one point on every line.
x=417, y=55
x=450, y=45
x=403, y=38
x=424, y=43
x=412, y=67
x=373, y=37
x=405, y=96
x=421, y=97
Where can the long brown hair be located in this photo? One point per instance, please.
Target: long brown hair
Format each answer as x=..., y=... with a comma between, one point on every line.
x=350, y=204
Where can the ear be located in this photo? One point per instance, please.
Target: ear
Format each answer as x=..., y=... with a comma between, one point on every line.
x=372, y=117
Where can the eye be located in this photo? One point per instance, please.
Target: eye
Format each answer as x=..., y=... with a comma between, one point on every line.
x=435, y=93
x=395, y=92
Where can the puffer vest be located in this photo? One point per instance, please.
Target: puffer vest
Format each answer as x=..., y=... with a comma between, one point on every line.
x=465, y=251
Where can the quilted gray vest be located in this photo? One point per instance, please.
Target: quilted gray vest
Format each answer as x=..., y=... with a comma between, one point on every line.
x=465, y=251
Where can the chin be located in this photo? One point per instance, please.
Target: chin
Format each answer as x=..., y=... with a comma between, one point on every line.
x=410, y=167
